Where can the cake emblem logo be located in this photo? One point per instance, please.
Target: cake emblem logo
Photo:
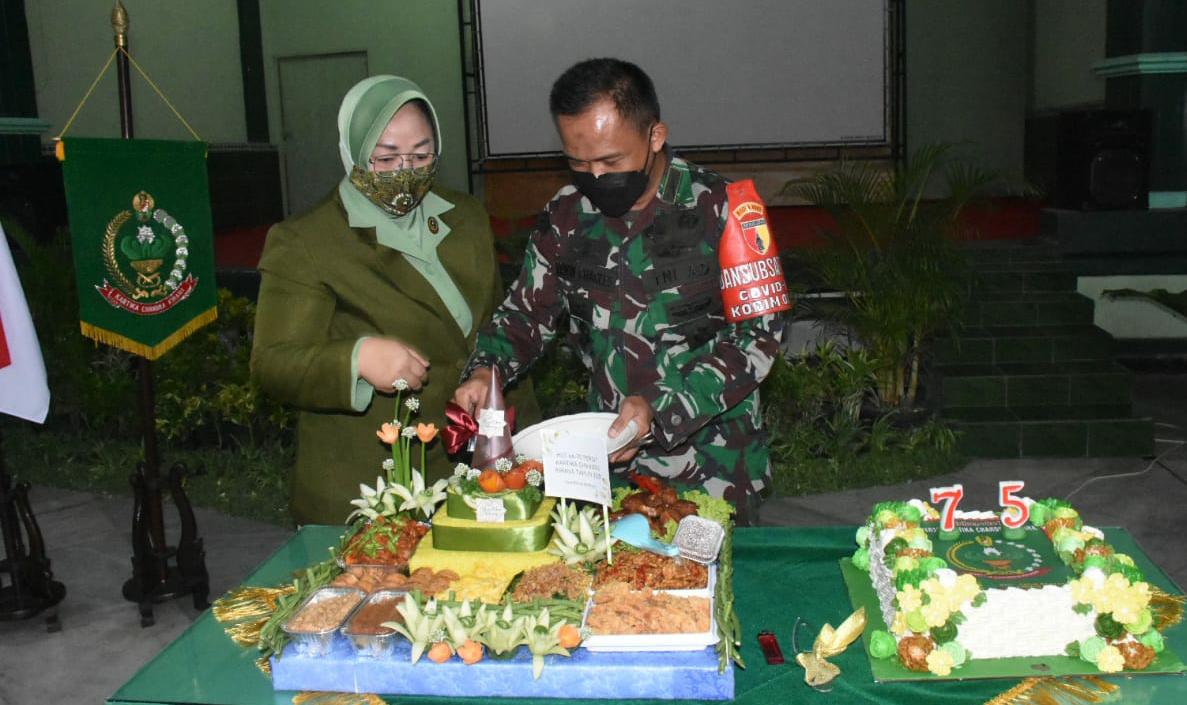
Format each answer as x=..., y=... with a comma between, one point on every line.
x=998, y=559
x=144, y=252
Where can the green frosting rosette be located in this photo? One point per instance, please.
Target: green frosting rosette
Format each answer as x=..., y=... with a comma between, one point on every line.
x=1153, y=640
x=915, y=577
x=920, y=541
x=905, y=563
x=958, y=653
x=916, y=622
x=882, y=644
x=863, y=535
x=1091, y=647
x=1142, y=625
x=909, y=513
x=1040, y=514
x=1131, y=573
x=1066, y=540
x=1013, y=534
x=861, y=558
x=931, y=564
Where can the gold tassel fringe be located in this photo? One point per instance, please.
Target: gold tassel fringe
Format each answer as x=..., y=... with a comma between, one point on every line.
x=150, y=352
x=1056, y=691
x=247, y=610
x=318, y=698
x=265, y=665
x=1166, y=608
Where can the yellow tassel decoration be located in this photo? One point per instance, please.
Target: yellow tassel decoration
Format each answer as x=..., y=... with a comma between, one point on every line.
x=1056, y=691
x=1167, y=609
x=316, y=698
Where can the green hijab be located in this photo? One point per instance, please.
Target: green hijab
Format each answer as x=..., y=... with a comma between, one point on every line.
x=365, y=112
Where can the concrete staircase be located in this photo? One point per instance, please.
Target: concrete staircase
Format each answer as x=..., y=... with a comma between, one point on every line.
x=1029, y=375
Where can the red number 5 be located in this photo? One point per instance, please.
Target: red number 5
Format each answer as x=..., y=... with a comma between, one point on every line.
x=1021, y=512
x=951, y=497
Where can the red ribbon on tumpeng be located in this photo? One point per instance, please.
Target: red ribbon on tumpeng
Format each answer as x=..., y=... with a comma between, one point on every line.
x=752, y=283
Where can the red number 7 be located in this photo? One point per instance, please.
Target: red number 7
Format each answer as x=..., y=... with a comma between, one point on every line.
x=1007, y=500
x=951, y=497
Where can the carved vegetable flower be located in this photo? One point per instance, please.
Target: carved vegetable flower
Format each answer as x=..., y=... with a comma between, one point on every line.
x=389, y=433
x=542, y=638
x=421, y=498
x=426, y=432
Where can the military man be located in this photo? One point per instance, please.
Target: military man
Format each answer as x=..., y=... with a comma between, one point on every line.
x=629, y=253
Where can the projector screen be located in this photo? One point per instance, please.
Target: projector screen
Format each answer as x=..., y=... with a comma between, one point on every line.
x=748, y=73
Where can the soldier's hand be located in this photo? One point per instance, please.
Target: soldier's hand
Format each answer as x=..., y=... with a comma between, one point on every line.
x=634, y=408
x=473, y=391
x=382, y=361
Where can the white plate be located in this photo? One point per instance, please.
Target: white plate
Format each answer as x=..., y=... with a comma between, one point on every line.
x=533, y=441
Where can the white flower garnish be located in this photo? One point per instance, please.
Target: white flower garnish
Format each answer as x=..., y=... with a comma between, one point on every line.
x=408, y=432
x=520, y=458
x=412, y=403
x=401, y=385
x=502, y=464
x=460, y=470
x=421, y=498
x=534, y=478
x=389, y=464
x=473, y=473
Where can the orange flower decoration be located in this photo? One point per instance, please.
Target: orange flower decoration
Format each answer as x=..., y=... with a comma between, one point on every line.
x=389, y=433
x=440, y=652
x=426, y=432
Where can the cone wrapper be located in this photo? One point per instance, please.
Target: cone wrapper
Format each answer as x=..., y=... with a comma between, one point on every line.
x=752, y=283
x=494, y=426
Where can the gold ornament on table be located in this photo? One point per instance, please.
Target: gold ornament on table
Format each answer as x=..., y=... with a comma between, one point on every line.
x=320, y=698
x=1056, y=691
x=818, y=671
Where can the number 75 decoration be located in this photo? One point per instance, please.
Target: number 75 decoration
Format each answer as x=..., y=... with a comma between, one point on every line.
x=1015, y=512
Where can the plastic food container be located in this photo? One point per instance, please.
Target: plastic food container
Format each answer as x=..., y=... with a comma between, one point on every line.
x=316, y=622
x=687, y=641
x=364, y=630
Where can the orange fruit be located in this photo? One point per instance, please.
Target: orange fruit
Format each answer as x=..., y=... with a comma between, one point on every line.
x=491, y=481
x=515, y=479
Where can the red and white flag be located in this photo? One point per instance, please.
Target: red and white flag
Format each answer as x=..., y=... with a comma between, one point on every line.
x=23, y=390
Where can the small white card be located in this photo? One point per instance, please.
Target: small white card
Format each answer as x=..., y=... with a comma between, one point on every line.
x=489, y=510
x=576, y=466
x=491, y=423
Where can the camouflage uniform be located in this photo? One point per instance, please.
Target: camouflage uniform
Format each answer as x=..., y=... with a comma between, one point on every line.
x=643, y=298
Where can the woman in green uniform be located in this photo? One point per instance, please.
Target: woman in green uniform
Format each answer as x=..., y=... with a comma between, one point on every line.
x=386, y=279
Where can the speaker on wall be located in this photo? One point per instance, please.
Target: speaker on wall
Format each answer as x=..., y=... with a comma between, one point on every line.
x=1091, y=159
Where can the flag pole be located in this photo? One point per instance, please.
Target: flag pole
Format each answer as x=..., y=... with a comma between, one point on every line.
x=154, y=578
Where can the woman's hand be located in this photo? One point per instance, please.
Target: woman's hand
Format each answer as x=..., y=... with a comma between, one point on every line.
x=382, y=361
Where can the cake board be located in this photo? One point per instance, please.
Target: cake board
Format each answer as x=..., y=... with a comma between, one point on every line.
x=861, y=594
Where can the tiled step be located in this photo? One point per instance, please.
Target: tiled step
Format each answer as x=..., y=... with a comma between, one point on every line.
x=1035, y=343
x=1012, y=308
x=1035, y=385
x=1046, y=412
x=1068, y=438
x=1023, y=278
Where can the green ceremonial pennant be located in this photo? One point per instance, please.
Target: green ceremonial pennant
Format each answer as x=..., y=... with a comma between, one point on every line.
x=143, y=248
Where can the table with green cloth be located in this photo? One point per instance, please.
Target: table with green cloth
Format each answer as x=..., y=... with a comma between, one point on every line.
x=779, y=574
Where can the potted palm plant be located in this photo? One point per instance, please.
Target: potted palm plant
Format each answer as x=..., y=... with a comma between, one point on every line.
x=892, y=254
